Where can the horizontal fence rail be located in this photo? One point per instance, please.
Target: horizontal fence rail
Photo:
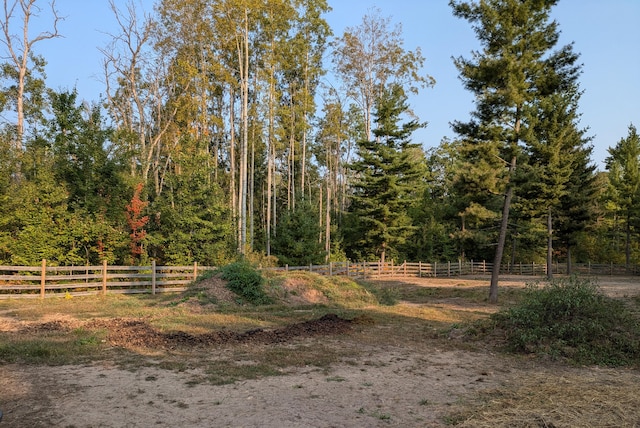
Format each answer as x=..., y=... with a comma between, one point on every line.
x=47, y=281
x=458, y=268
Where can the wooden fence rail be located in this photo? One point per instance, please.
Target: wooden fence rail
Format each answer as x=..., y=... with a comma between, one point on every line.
x=448, y=269
x=46, y=281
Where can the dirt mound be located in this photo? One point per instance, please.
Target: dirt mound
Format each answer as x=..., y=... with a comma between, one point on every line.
x=133, y=332
x=138, y=333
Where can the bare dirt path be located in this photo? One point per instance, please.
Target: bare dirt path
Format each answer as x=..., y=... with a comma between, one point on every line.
x=388, y=388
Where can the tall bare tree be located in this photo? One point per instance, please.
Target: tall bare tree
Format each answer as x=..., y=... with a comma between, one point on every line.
x=19, y=56
x=371, y=56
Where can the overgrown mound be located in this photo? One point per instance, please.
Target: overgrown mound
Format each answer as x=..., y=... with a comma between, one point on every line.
x=570, y=318
x=304, y=288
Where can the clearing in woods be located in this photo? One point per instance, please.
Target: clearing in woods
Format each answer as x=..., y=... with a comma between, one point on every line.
x=303, y=363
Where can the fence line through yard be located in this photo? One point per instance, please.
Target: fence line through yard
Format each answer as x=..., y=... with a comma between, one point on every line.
x=45, y=281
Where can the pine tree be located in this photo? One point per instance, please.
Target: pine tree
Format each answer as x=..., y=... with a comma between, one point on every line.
x=389, y=180
x=558, y=180
x=623, y=164
x=515, y=70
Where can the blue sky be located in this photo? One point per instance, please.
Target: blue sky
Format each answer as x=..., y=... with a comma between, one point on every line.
x=606, y=33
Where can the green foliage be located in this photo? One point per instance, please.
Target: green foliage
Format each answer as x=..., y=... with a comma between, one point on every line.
x=390, y=175
x=244, y=280
x=296, y=241
x=623, y=165
x=191, y=221
x=571, y=318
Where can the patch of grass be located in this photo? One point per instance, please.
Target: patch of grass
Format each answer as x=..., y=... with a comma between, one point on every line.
x=385, y=294
x=571, y=319
x=300, y=355
x=39, y=349
x=244, y=280
x=225, y=372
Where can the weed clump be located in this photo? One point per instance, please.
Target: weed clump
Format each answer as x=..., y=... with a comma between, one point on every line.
x=571, y=319
x=244, y=280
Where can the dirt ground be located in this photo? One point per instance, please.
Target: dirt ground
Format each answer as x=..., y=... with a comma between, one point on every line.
x=390, y=386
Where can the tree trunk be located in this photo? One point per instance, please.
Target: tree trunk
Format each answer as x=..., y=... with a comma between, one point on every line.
x=627, y=244
x=245, y=137
x=232, y=162
x=549, y=245
x=504, y=226
x=327, y=224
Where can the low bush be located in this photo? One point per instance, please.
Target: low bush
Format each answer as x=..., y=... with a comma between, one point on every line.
x=244, y=280
x=570, y=318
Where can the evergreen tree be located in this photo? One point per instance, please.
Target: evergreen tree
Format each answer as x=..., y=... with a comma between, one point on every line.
x=434, y=216
x=558, y=180
x=297, y=239
x=623, y=164
x=389, y=181
x=515, y=70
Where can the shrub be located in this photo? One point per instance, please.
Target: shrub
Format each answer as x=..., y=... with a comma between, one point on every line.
x=244, y=280
x=571, y=318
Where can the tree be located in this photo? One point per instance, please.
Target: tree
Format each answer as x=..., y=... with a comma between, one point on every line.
x=297, y=240
x=331, y=136
x=515, y=70
x=191, y=221
x=137, y=222
x=557, y=154
x=623, y=164
x=370, y=57
x=21, y=62
x=389, y=181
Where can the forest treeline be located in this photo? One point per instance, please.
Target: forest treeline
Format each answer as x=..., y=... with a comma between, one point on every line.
x=217, y=138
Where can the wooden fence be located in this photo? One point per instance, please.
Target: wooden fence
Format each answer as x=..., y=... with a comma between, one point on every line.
x=458, y=268
x=46, y=281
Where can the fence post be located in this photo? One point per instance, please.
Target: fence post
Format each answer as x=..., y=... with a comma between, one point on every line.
x=104, y=277
x=195, y=271
x=153, y=277
x=330, y=268
x=364, y=270
x=435, y=269
x=471, y=265
x=419, y=269
x=448, y=269
x=348, y=273
x=459, y=267
x=405, y=268
x=43, y=278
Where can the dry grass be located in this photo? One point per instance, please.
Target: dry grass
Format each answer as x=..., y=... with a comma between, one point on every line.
x=581, y=398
